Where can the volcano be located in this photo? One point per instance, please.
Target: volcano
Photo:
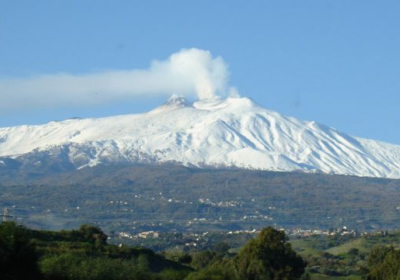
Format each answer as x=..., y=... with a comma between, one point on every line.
x=217, y=133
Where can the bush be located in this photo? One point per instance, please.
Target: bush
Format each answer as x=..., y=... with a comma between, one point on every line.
x=78, y=267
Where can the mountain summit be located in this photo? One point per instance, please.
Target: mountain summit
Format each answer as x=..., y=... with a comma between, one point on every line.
x=234, y=132
x=176, y=100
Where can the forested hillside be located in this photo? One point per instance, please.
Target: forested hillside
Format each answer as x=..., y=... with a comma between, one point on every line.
x=166, y=197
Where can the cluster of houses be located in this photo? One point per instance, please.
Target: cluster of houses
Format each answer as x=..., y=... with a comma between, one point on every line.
x=310, y=232
x=143, y=234
x=231, y=203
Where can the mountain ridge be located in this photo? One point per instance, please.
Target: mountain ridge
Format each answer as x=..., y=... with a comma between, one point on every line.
x=232, y=132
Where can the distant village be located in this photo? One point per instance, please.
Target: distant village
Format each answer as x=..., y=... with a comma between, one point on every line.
x=290, y=232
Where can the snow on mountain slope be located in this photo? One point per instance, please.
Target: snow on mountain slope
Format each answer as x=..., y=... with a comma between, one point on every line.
x=234, y=132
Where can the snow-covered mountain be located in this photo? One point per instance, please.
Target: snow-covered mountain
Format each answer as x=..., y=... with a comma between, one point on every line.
x=234, y=132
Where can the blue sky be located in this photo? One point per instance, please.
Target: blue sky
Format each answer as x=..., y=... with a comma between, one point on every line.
x=336, y=62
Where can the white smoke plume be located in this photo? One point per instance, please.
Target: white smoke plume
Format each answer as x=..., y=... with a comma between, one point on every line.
x=189, y=72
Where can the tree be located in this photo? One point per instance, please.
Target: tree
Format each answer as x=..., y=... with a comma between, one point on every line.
x=18, y=258
x=269, y=257
x=383, y=264
x=203, y=259
x=93, y=235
